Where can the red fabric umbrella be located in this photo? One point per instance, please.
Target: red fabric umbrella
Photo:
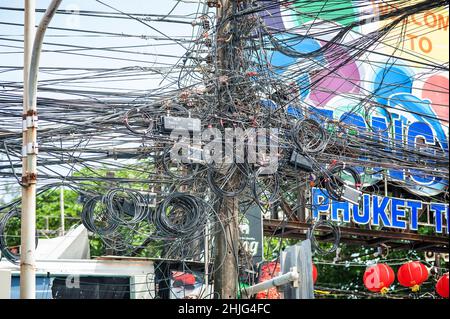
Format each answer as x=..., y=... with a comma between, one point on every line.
x=184, y=278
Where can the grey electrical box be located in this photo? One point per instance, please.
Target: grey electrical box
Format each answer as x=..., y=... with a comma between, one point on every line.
x=299, y=256
x=351, y=195
x=301, y=161
x=170, y=123
x=195, y=155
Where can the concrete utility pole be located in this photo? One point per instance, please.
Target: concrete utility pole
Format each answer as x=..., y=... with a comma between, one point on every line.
x=30, y=146
x=27, y=272
x=226, y=238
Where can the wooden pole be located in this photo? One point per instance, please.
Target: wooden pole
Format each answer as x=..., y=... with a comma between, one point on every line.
x=227, y=237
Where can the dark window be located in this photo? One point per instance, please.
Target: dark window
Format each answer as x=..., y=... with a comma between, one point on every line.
x=92, y=288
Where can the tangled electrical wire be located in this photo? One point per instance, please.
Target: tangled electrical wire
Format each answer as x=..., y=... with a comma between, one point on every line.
x=335, y=231
x=9, y=251
x=273, y=68
x=180, y=215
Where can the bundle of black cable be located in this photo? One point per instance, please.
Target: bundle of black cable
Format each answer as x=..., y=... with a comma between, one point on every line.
x=11, y=218
x=179, y=215
x=334, y=182
x=309, y=136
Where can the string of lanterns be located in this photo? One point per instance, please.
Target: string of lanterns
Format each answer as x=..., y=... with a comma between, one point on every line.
x=378, y=278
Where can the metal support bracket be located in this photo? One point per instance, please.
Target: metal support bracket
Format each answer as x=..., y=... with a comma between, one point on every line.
x=32, y=148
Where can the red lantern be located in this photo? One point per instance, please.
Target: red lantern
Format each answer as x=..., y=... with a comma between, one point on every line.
x=412, y=275
x=378, y=278
x=314, y=273
x=442, y=286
